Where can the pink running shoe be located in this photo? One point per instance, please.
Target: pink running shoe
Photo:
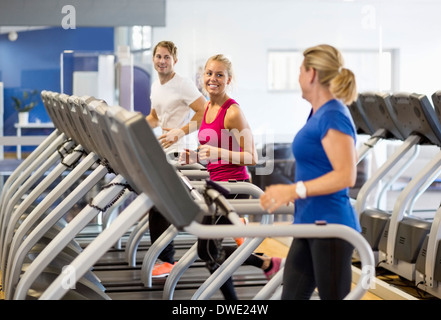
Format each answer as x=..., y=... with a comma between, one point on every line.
x=277, y=264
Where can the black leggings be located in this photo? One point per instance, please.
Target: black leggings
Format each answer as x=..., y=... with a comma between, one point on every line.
x=321, y=263
x=157, y=225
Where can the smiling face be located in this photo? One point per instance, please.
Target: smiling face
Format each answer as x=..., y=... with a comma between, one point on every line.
x=216, y=78
x=163, y=61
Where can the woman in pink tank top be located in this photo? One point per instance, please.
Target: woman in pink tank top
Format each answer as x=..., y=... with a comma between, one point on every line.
x=226, y=147
x=213, y=135
x=226, y=140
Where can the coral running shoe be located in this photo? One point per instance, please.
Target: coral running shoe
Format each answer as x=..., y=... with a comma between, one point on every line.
x=239, y=241
x=162, y=269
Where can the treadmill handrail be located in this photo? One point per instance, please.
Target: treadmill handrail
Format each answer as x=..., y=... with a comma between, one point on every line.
x=300, y=231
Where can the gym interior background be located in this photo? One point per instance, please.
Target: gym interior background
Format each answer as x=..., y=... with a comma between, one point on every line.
x=250, y=32
x=391, y=46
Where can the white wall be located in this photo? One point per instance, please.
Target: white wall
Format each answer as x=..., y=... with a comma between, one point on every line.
x=246, y=29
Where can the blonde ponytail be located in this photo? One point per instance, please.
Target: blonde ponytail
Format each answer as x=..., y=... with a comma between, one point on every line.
x=343, y=86
x=328, y=62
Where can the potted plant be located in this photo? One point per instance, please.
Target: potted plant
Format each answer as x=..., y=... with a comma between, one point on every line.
x=25, y=103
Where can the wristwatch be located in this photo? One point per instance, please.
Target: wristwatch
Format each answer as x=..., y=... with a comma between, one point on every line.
x=301, y=189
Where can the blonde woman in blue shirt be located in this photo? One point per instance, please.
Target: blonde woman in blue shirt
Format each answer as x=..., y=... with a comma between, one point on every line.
x=326, y=159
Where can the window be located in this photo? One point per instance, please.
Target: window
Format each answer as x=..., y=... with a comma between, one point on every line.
x=283, y=70
x=372, y=73
x=141, y=38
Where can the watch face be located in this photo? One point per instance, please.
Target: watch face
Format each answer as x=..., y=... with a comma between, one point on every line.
x=301, y=190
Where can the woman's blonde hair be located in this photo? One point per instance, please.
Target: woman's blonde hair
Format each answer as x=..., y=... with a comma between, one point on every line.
x=328, y=62
x=226, y=62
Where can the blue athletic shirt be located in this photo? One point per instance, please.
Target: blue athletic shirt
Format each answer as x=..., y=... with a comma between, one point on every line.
x=312, y=162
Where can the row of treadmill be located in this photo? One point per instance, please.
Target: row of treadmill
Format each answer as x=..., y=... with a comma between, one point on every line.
x=404, y=242
x=93, y=142
x=45, y=207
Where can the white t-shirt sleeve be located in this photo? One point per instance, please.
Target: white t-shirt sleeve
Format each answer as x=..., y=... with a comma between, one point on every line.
x=189, y=91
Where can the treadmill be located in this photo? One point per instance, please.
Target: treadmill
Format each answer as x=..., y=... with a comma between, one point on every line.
x=378, y=112
x=428, y=264
x=91, y=287
x=404, y=232
x=364, y=127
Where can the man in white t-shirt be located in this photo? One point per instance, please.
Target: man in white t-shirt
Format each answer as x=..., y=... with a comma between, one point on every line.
x=177, y=105
x=177, y=108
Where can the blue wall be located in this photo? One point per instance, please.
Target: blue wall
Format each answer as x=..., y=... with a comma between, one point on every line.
x=33, y=62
